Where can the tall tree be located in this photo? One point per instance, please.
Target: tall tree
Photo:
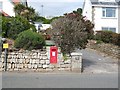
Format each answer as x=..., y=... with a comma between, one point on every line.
x=19, y=8
x=11, y=27
x=79, y=11
x=71, y=31
x=26, y=12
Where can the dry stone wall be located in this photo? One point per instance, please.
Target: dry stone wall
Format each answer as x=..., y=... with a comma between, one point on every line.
x=35, y=60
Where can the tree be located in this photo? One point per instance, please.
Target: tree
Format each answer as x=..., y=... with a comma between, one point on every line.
x=71, y=31
x=79, y=11
x=1, y=25
x=11, y=27
x=19, y=8
x=39, y=19
x=26, y=12
x=44, y=20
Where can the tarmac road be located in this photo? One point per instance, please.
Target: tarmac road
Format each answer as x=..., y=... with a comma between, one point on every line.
x=59, y=80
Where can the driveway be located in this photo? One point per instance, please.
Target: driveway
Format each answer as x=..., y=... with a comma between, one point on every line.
x=96, y=62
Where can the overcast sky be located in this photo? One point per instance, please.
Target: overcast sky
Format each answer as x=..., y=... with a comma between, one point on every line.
x=55, y=7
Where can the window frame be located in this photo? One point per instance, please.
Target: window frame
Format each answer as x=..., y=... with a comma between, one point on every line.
x=109, y=29
x=106, y=10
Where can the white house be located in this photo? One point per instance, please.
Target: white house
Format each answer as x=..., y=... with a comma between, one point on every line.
x=105, y=14
x=7, y=6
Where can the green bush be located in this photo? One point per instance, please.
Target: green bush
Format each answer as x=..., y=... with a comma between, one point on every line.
x=105, y=36
x=65, y=57
x=118, y=43
x=11, y=27
x=108, y=37
x=29, y=40
x=99, y=41
x=115, y=38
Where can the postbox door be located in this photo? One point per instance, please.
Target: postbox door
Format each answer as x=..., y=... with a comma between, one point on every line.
x=53, y=56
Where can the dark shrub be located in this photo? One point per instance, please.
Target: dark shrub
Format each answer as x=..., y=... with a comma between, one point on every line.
x=11, y=27
x=29, y=40
x=105, y=36
x=117, y=42
x=97, y=36
x=114, y=38
x=108, y=37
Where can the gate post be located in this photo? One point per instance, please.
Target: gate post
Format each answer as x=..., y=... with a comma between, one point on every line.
x=76, y=62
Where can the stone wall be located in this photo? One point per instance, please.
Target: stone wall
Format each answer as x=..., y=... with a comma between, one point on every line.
x=35, y=60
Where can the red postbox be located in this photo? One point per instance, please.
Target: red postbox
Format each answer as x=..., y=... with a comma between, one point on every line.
x=53, y=54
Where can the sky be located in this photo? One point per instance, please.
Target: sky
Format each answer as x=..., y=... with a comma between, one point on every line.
x=55, y=7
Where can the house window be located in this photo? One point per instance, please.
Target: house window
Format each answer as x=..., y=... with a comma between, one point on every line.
x=109, y=29
x=109, y=12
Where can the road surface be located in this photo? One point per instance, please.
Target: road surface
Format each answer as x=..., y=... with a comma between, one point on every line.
x=57, y=80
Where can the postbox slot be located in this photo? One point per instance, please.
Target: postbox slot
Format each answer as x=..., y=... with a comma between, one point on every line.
x=53, y=49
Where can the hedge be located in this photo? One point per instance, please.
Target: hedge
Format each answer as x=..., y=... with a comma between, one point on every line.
x=108, y=37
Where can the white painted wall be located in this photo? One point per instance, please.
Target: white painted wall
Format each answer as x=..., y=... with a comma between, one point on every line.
x=104, y=22
x=119, y=19
x=8, y=7
x=87, y=10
